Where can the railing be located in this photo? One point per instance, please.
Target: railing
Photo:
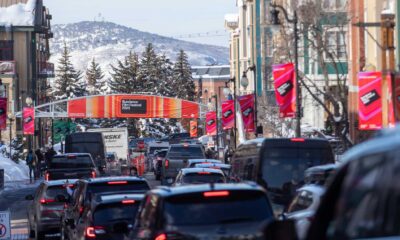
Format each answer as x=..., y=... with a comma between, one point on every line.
x=46, y=70
x=7, y=67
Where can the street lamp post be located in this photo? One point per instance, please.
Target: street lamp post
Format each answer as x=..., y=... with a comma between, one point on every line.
x=11, y=119
x=215, y=96
x=276, y=22
x=244, y=81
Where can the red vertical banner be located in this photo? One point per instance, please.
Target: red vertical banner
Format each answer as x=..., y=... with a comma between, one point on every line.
x=285, y=89
x=396, y=97
x=392, y=119
x=247, y=108
x=211, y=123
x=193, y=129
x=370, y=100
x=228, y=114
x=3, y=113
x=28, y=116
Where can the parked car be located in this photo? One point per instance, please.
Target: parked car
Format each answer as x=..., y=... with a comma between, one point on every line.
x=192, y=162
x=71, y=166
x=361, y=201
x=278, y=164
x=303, y=207
x=216, y=211
x=159, y=158
x=86, y=190
x=45, y=209
x=109, y=217
x=187, y=176
x=177, y=158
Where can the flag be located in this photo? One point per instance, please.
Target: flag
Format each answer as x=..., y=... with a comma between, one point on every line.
x=211, y=123
x=247, y=108
x=193, y=129
x=28, y=116
x=3, y=113
x=370, y=100
x=285, y=89
x=228, y=114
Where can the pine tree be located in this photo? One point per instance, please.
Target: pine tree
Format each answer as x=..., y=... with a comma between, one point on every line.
x=125, y=76
x=67, y=83
x=182, y=77
x=149, y=70
x=165, y=77
x=94, y=79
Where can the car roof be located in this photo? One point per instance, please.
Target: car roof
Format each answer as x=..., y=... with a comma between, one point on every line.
x=60, y=182
x=316, y=189
x=109, y=179
x=260, y=141
x=73, y=154
x=179, y=190
x=196, y=170
x=207, y=165
x=158, y=144
x=118, y=197
x=185, y=144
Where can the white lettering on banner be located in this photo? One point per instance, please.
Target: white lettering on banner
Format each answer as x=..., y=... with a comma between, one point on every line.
x=5, y=226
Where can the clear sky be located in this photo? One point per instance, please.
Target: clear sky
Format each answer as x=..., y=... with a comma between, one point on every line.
x=165, y=17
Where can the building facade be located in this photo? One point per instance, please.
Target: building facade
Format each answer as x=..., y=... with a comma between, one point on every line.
x=24, y=55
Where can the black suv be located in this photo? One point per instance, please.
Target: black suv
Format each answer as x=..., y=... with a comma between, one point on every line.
x=45, y=210
x=108, y=217
x=86, y=190
x=207, y=211
x=71, y=166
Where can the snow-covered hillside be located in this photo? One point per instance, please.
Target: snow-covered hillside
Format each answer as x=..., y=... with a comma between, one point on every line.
x=108, y=42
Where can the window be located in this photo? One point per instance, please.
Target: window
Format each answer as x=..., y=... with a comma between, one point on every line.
x=333, y=4
x=336, y=45
x=6, y=50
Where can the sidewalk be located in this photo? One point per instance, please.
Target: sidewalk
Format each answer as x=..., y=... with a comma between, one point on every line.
x=19, y=229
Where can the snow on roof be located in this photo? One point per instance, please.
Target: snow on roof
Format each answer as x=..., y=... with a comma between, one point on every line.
x=232, y=17
x=21, y=14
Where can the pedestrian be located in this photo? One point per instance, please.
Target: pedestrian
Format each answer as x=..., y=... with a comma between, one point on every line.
x=40, y=159
x=30, y=161
x=48, y=156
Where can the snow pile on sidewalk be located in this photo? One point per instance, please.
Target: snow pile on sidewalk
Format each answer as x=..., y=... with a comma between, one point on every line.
x=14, y=171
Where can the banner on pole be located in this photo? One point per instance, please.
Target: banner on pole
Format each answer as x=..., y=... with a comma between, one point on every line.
x=246, y=103
x=285, y=89
x=3, y=113
x=193, y=129
x=28, y=116
x=370, y=100
x=392, y=119
x=228, y=114
x=211, y=123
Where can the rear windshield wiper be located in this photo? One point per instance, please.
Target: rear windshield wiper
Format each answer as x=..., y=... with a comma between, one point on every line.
x=236, y=220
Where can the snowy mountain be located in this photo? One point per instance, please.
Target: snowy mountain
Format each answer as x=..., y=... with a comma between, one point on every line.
x=108, y=42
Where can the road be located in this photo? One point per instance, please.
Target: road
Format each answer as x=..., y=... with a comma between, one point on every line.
x=13, y=198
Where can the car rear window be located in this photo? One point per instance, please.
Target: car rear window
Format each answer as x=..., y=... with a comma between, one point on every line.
x=152, y=149
x=53, y=191
x=198, y=178
x=71, y=162
x=161, y=154
x=236, y=207
x=116, y=212
x=189, y=151
x=118, y=186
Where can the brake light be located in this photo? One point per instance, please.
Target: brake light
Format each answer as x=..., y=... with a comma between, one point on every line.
x=216, y=194
x=47, y=176
x=46, y=200
x=166, y=163
x=117, y=182
x=92, y=231
x=93, y=174
x=298, y=140
x=161, y=237
x=128, y=201
x=204, y=173
x=81, y=210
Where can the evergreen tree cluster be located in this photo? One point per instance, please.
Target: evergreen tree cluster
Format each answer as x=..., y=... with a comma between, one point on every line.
x=150, y=73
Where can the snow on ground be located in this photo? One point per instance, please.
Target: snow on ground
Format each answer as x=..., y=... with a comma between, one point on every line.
x=14, y=171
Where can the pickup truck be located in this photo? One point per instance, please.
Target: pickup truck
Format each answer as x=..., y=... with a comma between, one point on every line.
x=177, y=158
x=71, y=166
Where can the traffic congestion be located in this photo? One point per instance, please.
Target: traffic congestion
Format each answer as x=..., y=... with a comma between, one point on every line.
x=271, y=188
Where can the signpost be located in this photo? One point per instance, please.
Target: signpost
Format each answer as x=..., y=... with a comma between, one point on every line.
x=5, y=225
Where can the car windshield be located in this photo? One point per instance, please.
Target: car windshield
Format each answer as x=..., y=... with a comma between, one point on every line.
x=190, y=151
x=118, y=186
x=199, y=178
x=114, y=213
x=152, y=149
x=80, y=161
x=287, y=165
x=238, y=206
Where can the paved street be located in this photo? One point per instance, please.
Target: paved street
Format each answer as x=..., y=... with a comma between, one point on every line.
x=13, y=198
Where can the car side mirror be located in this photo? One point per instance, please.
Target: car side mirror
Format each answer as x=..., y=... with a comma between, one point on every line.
x=61, y=198
x=29, y=197
x=281, y=230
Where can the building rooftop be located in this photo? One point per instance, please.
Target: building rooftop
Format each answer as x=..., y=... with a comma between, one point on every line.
x=211, y=72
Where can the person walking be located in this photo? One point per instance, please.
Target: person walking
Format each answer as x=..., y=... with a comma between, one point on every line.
x=48, y=156
x=40, y=159
x=30, y=161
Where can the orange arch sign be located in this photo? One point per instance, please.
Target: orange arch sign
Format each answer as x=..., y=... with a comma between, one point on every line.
x=131, y=106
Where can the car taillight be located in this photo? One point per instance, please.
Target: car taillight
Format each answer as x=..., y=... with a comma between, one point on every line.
x=93, y=174
x=161, y=237
x=91, y=232
x=166, y=163
x=297, y=140
x=128, y=201
x=46, y=200
x=204, y=173
x=117, y=182
x=216, y=194
x=47, y=176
